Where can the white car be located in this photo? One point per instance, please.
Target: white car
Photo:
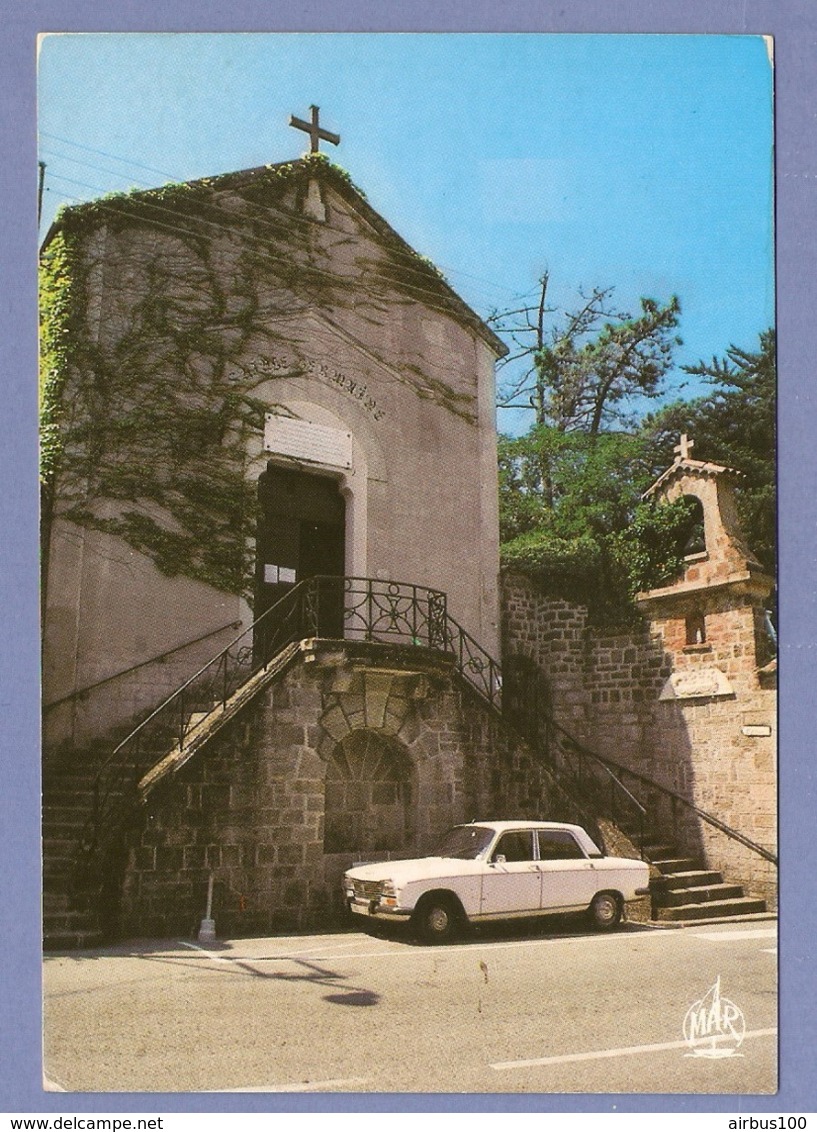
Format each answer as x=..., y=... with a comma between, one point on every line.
x=498, y=870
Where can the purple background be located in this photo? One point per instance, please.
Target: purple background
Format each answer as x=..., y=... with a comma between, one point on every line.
x=794, y=25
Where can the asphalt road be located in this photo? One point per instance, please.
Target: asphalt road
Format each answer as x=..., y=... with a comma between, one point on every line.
x=535, y=1011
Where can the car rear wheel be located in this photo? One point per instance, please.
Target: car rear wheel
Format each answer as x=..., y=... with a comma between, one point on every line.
x=437, y=919
x=605, y=911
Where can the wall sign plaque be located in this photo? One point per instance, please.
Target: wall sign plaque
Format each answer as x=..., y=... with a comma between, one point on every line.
x=311, y=443
x=702, y=683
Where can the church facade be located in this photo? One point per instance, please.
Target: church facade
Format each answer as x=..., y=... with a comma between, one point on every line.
x=268, y=423
x=263, y=383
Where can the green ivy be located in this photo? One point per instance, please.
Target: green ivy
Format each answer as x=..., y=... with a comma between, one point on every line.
x=60, y=283
x=147, y=418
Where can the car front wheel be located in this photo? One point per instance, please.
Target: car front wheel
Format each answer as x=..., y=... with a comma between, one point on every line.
x=436, y=920
x=605, y=911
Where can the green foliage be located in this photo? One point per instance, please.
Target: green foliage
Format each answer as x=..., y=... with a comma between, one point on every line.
x=651, y=547
x=587, y=384
x=571, y=518
x=571, y=512
x=59, y=319
x=581, y=369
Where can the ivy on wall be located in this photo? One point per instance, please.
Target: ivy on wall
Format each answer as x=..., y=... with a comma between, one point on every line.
x=153, y=305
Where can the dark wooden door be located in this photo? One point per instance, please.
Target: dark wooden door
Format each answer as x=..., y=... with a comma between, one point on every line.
x=301, y=534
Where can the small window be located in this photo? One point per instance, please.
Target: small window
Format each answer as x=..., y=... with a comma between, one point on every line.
x=515, y=846
x=558, y=845
x=696, y=629
x=695, y=535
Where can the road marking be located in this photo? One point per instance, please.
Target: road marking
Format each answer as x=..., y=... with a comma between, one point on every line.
x=750, y=933
x=392, y=949
x=769, y=950
x=210, y=954
x=402, y=950
x=311, y=953
x=599, y=1054
x=315, y=955
x=301, y=1087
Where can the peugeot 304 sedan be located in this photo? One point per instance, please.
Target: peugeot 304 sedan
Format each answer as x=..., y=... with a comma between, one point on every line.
x=497, y=870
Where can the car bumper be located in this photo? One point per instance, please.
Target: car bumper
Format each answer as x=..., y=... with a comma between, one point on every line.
x=372, y=910
x=642, y=892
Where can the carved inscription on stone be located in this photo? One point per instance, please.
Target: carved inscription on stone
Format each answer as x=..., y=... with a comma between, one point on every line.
x=276, y=365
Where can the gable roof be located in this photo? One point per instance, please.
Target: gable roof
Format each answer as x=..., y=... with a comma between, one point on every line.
x=686, y=466
x=284, y=174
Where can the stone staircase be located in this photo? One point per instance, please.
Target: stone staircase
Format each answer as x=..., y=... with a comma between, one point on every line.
x=70, y=900
x=83, y=866
x=681, y=889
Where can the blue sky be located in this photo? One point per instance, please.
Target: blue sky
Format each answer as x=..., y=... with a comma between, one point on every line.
x=642, y=161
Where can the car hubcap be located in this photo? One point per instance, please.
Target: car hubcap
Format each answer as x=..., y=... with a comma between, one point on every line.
x=438, y=919
x=606, y=910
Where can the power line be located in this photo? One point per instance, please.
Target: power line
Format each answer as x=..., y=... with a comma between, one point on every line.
x=428, y=295
x=48, y=152
x=104, y=153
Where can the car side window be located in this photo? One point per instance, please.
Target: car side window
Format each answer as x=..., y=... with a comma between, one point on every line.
x=516, y=845
x=558, y=845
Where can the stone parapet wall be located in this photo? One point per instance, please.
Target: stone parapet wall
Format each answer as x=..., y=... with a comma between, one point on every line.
x=717, y=752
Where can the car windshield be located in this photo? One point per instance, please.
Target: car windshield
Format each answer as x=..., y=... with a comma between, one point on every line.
x=465, y=842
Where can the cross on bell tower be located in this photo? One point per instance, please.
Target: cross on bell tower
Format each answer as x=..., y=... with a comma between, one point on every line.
x=683, y=449
x=316, y=134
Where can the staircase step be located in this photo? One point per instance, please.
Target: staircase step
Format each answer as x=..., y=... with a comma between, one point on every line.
x=737, y=906
x=696, y=878
x=676, y=897
x=660, y=852
x=676, y=864
x=195, y=718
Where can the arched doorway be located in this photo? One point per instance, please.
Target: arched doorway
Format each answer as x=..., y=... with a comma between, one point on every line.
x=370, y=796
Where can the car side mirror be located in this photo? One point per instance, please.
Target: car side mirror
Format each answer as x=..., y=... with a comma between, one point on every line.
x=499, y=859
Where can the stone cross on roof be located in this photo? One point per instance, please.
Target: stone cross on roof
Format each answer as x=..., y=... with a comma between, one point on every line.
x=316, y=134
x=683, y=449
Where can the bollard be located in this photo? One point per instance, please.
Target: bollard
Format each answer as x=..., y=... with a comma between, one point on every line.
x=207, y=928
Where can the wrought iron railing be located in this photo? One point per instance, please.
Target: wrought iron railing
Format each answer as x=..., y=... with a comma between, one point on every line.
x=349, y=608
x=584, y=773
x=368, y=609
x=652, y=809
x=159, y=658
x=675, y=805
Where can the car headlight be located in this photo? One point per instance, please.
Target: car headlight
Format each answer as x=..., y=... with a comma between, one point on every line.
x=387, y=888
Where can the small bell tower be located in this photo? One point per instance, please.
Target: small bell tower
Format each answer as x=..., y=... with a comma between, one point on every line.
x=713, y=619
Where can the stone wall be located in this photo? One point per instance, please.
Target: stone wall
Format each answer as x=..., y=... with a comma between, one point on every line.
x=719, y=752
x=258, y=805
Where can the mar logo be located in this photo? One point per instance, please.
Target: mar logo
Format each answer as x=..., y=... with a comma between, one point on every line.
x=714, y=1026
